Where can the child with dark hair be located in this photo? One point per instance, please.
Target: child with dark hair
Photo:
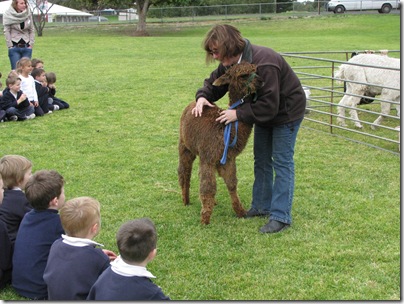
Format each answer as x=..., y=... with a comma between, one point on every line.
x=37, y=63
x=127, y=279
x=43, y=91
x=15, y=102
x=74, y=262
x=38, y=230
x=51, y=80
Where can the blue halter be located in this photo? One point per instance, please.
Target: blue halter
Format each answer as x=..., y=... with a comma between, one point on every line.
x=227, y=133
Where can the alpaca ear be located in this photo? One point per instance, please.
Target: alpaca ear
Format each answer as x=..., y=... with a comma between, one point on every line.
x=222, y=80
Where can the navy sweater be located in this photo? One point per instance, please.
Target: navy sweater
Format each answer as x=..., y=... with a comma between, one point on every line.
x=12, y=210
x=38, y=230
x=111, y=286
x=71, y=270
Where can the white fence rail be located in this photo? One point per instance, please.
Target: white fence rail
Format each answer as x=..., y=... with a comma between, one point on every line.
x=316, y=71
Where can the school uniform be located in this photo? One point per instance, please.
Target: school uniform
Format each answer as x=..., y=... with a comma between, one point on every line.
x=43, y=94
x=38, y=230
x=57, y=101
x=8, y=103
x=124, y=282
x=74, y=264
x=5, y=256
x=15, y=205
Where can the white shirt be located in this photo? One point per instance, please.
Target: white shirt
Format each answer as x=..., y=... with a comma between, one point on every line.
x=28, y=87
x=120, y=267
x=78, y=242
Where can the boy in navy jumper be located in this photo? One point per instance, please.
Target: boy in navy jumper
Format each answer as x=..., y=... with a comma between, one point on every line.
x=15, y=171
x=51, y=80
x=15, y=102
x=38, y=230
x=74, y=262
x=42, y=91
x=5, y=249
x=127, y=279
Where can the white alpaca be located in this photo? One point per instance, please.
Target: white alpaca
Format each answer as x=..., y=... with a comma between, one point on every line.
x=370, y=77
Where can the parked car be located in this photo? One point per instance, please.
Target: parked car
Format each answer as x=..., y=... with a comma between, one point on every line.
x=97, y=18
x=382, y=6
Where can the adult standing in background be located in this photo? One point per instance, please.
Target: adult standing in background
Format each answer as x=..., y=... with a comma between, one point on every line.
x=19, y=31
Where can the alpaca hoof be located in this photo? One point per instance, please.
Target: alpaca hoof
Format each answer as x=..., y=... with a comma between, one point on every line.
x=359, y=126
x=342, y=124
x=241, y=214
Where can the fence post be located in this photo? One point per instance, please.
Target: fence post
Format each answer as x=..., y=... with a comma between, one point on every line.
x=332, y=95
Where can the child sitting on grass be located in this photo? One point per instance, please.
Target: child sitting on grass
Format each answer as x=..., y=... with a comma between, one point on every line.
x=24, y=69
x=74, y=262
x=42, y=91
x=127, y=279
x=15, y=171
x=51, y=80
x=38, y=230
x=5, y=249
x=14, y=102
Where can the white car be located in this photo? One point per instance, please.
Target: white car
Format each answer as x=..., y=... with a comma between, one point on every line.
x=382, y=6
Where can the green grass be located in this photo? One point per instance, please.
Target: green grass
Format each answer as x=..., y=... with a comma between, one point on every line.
x=118, y=143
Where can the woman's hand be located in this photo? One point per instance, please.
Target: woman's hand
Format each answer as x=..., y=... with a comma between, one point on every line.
x=227, y=116
x=200, y=103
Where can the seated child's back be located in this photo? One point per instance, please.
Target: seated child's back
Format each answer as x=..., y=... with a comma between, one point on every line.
x=38, y=230
x=74, y=262
x=15, y=171
x=128, y=279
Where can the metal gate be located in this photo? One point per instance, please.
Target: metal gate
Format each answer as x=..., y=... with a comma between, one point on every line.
x=316, y=71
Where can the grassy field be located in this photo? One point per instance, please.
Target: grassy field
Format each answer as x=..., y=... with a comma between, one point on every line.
x=118, y=143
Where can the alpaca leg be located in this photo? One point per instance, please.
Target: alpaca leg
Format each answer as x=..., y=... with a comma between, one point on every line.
x=385, y=110
x=229, y=174
x=186, y=159
x=207, y=190
x=341, y=111
x=353, y=102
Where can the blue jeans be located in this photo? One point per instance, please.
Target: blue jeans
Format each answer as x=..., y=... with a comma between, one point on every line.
x=16, y=53
x=274, y=170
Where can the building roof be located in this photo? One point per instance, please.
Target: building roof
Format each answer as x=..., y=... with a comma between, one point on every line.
x=55, y=9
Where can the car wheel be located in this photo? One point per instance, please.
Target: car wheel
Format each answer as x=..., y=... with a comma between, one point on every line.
x=386, y=8
x=339, y=9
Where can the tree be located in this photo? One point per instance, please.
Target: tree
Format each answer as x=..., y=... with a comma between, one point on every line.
x=142, y=6
x=39, y=11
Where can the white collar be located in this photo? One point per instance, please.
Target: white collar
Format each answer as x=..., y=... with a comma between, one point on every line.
x=78, y=242
x=124, y=269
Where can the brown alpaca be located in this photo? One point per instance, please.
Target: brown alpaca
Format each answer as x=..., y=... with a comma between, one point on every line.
x=203, y=136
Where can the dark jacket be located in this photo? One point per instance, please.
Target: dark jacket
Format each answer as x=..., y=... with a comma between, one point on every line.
x=8, y=100
x=279, y=101
x=15, y=205
x=38, y=230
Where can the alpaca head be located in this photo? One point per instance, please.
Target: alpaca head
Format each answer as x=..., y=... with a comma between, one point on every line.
x=242, y=81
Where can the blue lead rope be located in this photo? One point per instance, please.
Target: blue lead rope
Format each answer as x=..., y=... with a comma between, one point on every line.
x=227, y=133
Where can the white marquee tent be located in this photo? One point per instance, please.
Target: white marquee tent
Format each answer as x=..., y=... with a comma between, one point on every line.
x=56, y=12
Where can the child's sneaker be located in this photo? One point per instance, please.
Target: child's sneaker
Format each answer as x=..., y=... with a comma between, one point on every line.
x=13, y=118
x=32, y=116
x=55, y=107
